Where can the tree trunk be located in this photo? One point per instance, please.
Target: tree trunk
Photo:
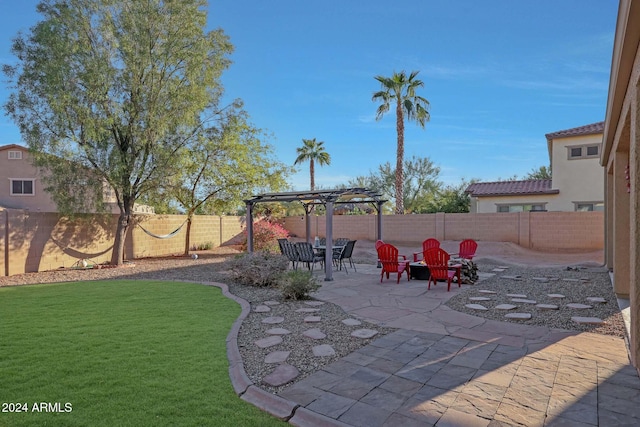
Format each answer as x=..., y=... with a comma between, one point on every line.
x=400, y=161
x=312, y=173
x=187, y=239
x=117, y=254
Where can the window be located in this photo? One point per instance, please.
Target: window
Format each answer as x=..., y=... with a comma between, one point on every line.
x=588, y=206
x=583, y=151
x=522, y=208
x=15, y=155
x=21, y=187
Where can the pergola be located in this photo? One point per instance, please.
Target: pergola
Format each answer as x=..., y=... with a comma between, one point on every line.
x=328, y=198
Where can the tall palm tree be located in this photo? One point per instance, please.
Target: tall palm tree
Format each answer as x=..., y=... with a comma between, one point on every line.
x=313, y=151
x=403, y=90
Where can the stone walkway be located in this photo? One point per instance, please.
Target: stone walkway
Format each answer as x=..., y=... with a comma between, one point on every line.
x=447, y=368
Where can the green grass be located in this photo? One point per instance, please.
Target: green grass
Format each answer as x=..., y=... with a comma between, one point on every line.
x=122, y=353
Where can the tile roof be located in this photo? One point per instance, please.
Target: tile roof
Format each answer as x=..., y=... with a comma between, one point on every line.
x=511, y=188
x=591, y=129
x=12, y=147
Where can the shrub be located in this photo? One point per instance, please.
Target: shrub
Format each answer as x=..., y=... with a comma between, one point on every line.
x=202, y=246
x=261, y=269
x=265, y=236
x=297, y=284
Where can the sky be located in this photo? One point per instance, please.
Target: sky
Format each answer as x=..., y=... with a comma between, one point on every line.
x=498, y=74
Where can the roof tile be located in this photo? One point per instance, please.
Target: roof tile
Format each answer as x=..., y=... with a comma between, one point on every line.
x=508, y=188
x=591, y=129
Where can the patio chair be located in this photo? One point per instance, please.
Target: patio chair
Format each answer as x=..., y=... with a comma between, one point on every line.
x=288, y=249
x=307, y=255
x=343, y=254
x=341, y=241
x=392, y=262
x=426, y=245
x=439, y=269
x=467, y=249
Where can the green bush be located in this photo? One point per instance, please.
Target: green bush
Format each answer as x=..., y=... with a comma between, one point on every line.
x=265, y=236
x=202, y=246
x=297, y=284
x=262, y=269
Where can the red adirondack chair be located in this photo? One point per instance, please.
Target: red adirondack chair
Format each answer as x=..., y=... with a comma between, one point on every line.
x=426, y=245
x=392, y=262
x=439, y=269
x=467, y=249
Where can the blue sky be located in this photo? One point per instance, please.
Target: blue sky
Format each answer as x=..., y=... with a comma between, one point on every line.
x=499, y=75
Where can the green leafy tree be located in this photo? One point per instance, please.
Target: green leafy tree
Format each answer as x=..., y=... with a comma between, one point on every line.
x=543, y=172
x=312, y=151
x=226, y=164
x=400, y=90
x=419, y=187
x=452, y=199
x=107, y=93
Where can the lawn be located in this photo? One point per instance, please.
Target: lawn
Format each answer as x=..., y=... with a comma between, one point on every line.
x=119, y=353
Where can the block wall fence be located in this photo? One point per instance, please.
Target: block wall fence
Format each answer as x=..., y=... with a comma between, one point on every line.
x=31, y=242
x=547, y=231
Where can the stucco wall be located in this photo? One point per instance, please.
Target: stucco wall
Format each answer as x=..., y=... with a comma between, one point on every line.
x=579, y=180
x=490, y=204
x=22, y=169
x=538, y=230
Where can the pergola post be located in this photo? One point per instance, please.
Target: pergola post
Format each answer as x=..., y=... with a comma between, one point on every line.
x=307, y=221
x=250, y=227
x=328, y=253
x=379, y=236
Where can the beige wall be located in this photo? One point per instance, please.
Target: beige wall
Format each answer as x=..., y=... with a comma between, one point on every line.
x=31, y=241
x=22, y=169
x=490, y=204
x=579, y=180
x=538, y=230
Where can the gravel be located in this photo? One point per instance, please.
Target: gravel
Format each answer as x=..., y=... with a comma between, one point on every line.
x=210, y=267
x=576, y=284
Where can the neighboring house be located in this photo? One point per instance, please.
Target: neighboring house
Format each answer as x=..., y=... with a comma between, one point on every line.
x=576, y=183
x=621, y=161
x=21, y=186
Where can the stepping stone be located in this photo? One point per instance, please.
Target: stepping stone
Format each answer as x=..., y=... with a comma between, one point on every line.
x=547, y=306
x=323, y=350
x=278, y=331
x=517, y=295
x=314, y=303
x=312, y=319
x=351, y=322
x=498, y=270
x=363, y=333
x=271, y=303
x=518, y=316
x=587, y=320
x=281, y=375
x=524, y=301
x=273, y=320
x=262, y=309
x=485, y=291
x=557, y=296
x=579, y=306
x=276, y=356
x=307, y=310
x=598, y=300
x=512, y=277
x=269, y=341
x=479, y=299
x=505, y=307
x=572, y=280
x=476, y=306
x=503, y=266
x=540, y=279
x=315, y=334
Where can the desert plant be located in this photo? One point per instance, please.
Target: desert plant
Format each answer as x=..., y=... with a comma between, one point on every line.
x=297, y=284
x=262, y=269
x=265, y=236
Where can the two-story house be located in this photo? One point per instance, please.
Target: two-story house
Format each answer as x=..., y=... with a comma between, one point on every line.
x=22, y=188
x=576, y=182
